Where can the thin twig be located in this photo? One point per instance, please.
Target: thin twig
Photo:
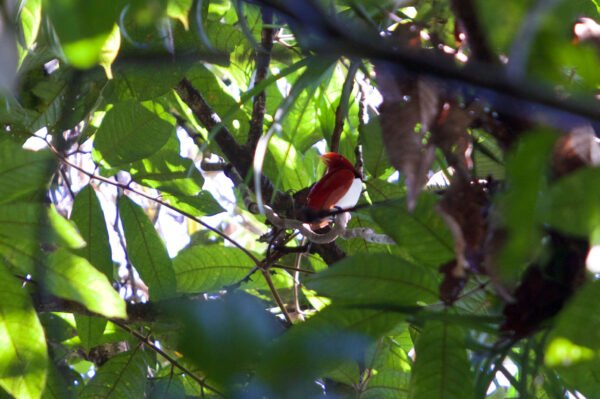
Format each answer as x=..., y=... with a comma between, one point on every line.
x=342, y=109
x=291, y=268
x=297, y=262
x=276, y=296
x=146, y=341
x=157, y=200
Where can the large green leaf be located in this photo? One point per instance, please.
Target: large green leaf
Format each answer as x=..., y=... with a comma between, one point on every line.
x=326, y=341
x=90, y=24
x=526, y=169
x=33, y=221
x=225, y=337
x=90, y=330
x=140, y=82
x=146, y=250
x=89, y=217
x=24, y=226
x=167, y=388
x=122, y=377
x=299, y=106
x=220, y=101
x=56, y=386
x=168, y=172
x=209, y=268
x=129, y=132
x=577, y=327
x=31, y=16
x=442, y=368
x=23, y=174
x=572, y=204
x=421, y=235
x=72, y=277
x=286, y=167
x=379, y=279
x=201, y=204
x=375, y=158
x=23, y=353
x=391, y=371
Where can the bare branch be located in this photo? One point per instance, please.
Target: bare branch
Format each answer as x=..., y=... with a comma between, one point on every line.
x=342, y=109
x=263, y=58
x=466, y=13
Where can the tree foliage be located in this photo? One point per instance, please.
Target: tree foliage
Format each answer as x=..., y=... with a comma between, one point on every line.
x=155, y=161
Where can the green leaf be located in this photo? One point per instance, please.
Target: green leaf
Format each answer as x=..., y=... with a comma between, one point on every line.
x=146, y=250
x=72, y=277
x=376, y=279
x=391, y=370
x=90, y=24
x=326, y=341
x=31, y=16
x=23, y=353
x=442, y=368
x=572, y=204
x=225, y=337
x=140, y=82
x=201, y=204
x=168, y=388
x=526, y=169
x=122, y=377
x=209, y=268
x=65, y=230
x=90, y=330
x=89, y=217
x=422, y=236
x=23, y=174
x=179, y=9
x=286, y=167
x=129, y=132
x=220, y=101
x=299, y=107
x=168, y=171
x=579, y=324
x=56, y=386
x=375, y=158
x=24, y=226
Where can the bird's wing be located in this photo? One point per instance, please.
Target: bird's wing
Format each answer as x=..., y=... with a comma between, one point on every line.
x=330, y=189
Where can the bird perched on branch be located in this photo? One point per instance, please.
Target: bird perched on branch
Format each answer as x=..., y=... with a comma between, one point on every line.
x=340, y=187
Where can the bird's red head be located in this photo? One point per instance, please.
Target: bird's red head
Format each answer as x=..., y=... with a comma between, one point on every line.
x=333, y=160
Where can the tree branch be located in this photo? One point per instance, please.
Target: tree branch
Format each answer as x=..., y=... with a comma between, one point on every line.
x=239, y=156
x=263, y=58
x=342, y=109
x=466, y=12
x=329, y=35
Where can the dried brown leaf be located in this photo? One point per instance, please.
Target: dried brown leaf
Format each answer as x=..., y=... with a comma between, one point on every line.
x=464, y=208
x=409, y=107
x=578, y=148
x=450, y=133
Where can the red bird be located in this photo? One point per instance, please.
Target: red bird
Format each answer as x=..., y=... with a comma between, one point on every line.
x=340, y=187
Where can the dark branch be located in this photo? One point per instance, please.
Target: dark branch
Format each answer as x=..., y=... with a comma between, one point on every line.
x=263, y=58
x=234, y=152
x=331, y=35
x=238, y=155
x=466, y=13
x=342, y=109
